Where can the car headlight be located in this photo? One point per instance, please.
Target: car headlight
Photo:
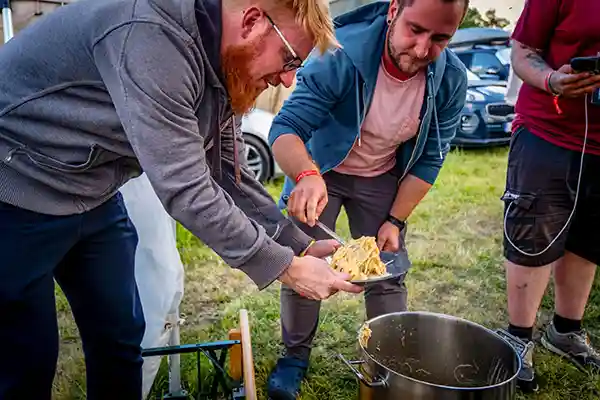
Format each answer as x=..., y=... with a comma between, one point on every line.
x=469, y=123
x=473, y=95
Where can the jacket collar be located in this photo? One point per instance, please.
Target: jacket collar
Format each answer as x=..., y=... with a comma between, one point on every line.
x=362, y=34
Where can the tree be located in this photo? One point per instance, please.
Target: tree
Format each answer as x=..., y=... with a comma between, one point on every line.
x=474, y=19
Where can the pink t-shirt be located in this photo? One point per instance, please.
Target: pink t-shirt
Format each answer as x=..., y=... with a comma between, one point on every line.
x=392, y=119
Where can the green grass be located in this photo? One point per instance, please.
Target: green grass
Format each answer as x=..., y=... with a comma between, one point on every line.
x=454, y=240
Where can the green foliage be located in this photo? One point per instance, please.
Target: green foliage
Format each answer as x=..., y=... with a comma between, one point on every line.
x=474, y=19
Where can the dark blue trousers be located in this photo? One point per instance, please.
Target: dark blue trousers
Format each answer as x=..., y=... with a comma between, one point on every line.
x=91, y=256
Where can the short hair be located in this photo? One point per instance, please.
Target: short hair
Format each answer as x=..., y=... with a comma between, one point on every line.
x=408, y=3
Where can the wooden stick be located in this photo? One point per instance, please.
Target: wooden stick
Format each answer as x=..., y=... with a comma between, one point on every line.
x=248, y=360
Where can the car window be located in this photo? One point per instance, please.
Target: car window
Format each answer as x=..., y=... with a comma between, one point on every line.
x=471, y=76
x=504, y=55
x=483, y=61
x=465, y=58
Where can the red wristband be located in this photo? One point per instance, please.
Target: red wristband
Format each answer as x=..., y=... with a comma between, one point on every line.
x=547, y=82
x=550, y=90
x=306, y=173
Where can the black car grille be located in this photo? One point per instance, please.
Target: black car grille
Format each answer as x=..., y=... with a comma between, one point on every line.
x=499, y=110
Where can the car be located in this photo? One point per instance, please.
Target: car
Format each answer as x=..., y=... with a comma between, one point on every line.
x=486, y=118
x=484, y=51
x=255, y=129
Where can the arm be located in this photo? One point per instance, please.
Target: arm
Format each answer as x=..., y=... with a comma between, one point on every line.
x=410, y=193
x=531, y=39
x=252, y=197
x=156, y=102
x=291, y=155
x=320, y=84
x=529, y=65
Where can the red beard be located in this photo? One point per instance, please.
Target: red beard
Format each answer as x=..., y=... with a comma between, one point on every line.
x=241, y=87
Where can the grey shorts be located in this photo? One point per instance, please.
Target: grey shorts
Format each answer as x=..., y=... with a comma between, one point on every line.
x=541, y=185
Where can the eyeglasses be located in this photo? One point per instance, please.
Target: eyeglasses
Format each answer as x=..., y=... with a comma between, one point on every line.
x=295, y=62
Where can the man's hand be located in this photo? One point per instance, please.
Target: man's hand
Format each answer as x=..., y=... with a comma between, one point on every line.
x=323, y=248
x=313, y=278
x=388, y=237
x=308, y=199
x=569, y=83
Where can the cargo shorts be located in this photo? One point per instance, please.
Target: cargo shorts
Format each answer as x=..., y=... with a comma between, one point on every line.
x=539, y=199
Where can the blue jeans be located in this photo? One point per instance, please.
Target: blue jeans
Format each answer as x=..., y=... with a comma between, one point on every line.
x=91, y=256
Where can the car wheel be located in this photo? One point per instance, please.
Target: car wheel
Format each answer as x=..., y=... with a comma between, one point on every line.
x=258, y=158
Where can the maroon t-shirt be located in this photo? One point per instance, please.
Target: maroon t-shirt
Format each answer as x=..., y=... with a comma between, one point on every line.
x=562, y=29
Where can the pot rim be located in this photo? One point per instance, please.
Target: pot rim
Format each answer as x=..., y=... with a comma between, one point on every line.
x=449, y=317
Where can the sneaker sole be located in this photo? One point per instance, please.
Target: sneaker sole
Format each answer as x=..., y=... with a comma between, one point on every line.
x=549, y=346
x=528, y=386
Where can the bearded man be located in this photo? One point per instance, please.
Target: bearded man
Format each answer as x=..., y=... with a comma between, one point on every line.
x=91, y=95
x=367, y=128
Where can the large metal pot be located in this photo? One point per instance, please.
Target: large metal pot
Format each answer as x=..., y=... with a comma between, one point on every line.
x=421, y=355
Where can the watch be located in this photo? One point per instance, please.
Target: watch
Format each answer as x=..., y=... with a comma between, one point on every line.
x=396, y=222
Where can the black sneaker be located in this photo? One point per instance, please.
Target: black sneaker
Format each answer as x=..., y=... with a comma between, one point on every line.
x=574, y=346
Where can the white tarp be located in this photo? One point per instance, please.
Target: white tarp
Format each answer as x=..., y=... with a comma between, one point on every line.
x=158, y=270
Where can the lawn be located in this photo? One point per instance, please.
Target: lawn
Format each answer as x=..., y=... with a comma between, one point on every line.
x=454, y=240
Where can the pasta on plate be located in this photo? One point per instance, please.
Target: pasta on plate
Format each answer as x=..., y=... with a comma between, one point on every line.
x=360, y=258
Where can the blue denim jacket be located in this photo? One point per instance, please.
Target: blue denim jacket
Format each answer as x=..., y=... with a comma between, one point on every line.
x=334, y=90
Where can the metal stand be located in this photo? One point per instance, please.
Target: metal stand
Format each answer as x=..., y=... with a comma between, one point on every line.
x=216, y=352
x=175, y=390
x=235, y=382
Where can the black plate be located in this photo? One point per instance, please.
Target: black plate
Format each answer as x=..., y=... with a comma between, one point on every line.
x=397, y=264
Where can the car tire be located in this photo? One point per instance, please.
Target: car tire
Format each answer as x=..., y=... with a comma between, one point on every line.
x=258, y=158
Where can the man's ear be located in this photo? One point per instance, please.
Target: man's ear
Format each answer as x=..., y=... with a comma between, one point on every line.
x=392, y=10
x=254, y=22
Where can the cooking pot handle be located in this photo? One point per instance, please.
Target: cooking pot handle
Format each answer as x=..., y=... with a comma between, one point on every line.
x=372, y=383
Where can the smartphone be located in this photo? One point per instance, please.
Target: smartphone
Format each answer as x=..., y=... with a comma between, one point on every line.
x=596, y=97
x=586, y=64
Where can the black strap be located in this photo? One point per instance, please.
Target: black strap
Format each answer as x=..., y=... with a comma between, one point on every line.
x=396, y=222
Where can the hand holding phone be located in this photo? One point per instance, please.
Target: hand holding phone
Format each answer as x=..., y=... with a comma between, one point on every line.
x=591, y=65
x=569, y=83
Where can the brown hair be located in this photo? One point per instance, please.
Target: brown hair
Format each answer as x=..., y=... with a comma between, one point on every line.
x=408, y=3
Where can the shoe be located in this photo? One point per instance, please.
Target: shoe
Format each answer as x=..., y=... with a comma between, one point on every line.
x=574, y=346
x=286, y=378
x=526, y=380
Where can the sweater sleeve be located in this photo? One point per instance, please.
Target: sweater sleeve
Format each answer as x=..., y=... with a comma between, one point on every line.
x=155, y=78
